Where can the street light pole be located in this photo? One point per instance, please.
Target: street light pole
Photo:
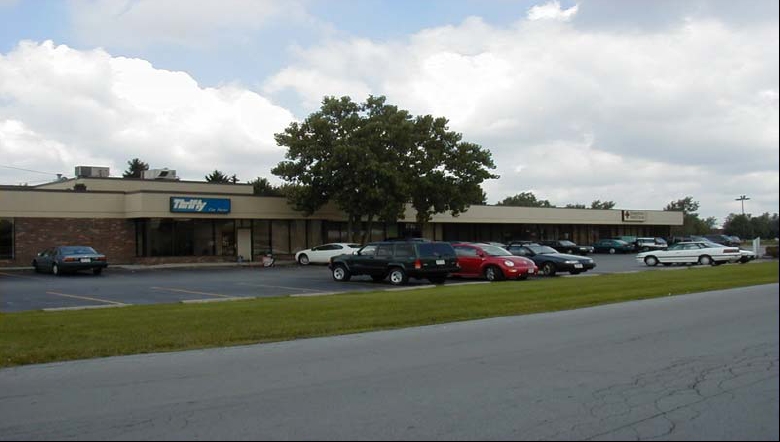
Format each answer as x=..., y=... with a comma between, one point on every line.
x=742, y=198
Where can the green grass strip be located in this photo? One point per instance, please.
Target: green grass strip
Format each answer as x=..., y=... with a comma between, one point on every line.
x=38, y=337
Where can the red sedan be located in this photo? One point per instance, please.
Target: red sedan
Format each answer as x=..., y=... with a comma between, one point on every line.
x=491, y=262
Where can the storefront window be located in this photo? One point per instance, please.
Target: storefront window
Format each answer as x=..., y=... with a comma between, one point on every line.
x=6, y=238
x=226, y=237
x=280, y=234
x=185, y=237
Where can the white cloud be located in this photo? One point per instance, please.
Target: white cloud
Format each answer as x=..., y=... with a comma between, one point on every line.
x=689, y=103
x=552, y=11
x=69, y=107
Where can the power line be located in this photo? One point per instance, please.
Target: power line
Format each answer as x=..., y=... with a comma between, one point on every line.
x=27, y=170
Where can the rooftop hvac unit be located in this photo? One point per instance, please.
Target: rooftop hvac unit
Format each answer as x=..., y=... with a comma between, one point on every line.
x=91, y=172
x=160, y=174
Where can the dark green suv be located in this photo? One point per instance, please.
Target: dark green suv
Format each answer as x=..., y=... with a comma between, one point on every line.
x=398, y=261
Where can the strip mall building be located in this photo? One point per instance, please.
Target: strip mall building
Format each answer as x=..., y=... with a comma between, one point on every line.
x=149, y=221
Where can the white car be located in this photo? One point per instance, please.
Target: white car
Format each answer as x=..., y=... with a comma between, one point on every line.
x=693, y=252
x=322, y=254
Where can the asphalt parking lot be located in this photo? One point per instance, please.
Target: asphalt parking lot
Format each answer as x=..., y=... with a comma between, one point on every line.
x=24, y=290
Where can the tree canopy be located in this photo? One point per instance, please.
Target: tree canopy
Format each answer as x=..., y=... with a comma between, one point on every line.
x=262, y=187
x=692, y=224
x=748, y=226
x=135, y=169
x=219, y=177
x=372, y=158
x=524, y=199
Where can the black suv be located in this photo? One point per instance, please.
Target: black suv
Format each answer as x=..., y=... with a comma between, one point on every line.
x=398, y=260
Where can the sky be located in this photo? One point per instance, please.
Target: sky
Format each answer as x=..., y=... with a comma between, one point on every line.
x=640, y=103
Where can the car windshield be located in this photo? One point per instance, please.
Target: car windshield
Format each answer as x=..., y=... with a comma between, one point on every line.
x=495, y=251
x=567, y=243
x=353, y=246
x=542, y=250
x=77, y=250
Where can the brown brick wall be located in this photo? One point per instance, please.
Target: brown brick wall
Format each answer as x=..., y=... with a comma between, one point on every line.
x=113, y=237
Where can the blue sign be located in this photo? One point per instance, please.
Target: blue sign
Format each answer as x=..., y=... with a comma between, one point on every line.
x=182, y=204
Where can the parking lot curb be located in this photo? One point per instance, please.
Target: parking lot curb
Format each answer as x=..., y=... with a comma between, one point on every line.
x=204, y=301
x=85, y=307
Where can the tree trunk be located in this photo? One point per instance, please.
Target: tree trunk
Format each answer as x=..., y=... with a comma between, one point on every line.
x=369, y=228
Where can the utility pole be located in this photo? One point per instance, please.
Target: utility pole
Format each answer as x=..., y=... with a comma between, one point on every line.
x=742, y=198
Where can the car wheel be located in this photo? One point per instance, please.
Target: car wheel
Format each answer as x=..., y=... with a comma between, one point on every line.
x=398, y=276
x=340, y=273
x=611, y=251
x=303, y=260
x=97, y=271
x=55, y=269
x=651, y=261
x=705, y=260
x=743, y=260
x=377, y=278
x=493, y=273
x=548, y=269
x=35, y=266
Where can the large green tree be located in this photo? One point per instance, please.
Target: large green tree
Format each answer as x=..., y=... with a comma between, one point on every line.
x=524, y=199
x=372, y=158
x=135, y=169
x=218, y=177
x=602, y=205
x=692, y=224
x=262, y=187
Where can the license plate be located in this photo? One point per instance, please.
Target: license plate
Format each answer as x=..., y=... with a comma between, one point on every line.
x=577, y=266
x=530, y=270
x=86, y=260
x=439, y=262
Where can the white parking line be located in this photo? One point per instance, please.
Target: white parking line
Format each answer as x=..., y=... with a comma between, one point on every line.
x=86, y=298
x=203, y=301
x=278, y=287
x=193, y=292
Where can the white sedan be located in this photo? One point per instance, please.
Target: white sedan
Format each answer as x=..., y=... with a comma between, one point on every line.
x=322, y=254
x=694, y=252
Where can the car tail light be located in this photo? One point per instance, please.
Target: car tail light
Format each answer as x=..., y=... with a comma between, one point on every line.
x=69, y=259
x=100, y=258
x=417, y=264
x=730, y=250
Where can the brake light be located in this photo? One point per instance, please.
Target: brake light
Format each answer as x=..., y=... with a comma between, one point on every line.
x=417, y=264
x=69, y=260
x=100, y=258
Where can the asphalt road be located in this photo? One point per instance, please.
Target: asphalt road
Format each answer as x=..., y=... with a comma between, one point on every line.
x=27, y=290
x=700, y=366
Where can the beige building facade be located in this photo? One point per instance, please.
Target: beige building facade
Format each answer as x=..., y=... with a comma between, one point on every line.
x=154, y=221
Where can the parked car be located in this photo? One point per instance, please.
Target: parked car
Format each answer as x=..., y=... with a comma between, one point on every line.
x=68, y=259
x=745, y=255
x=549, y=261
x=645, y=244
x=694, y=252
x=724, y=240
x=491, y=262
x=566, y=246
x=612, y=246
x=322, y=254
x=398, y=261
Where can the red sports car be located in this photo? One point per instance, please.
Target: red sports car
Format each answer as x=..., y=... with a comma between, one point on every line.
x=491, y=262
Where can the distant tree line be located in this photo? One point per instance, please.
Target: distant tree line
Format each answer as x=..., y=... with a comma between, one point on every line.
x=748, y=227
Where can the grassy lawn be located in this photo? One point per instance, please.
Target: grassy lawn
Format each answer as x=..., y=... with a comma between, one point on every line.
x=37, y=337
